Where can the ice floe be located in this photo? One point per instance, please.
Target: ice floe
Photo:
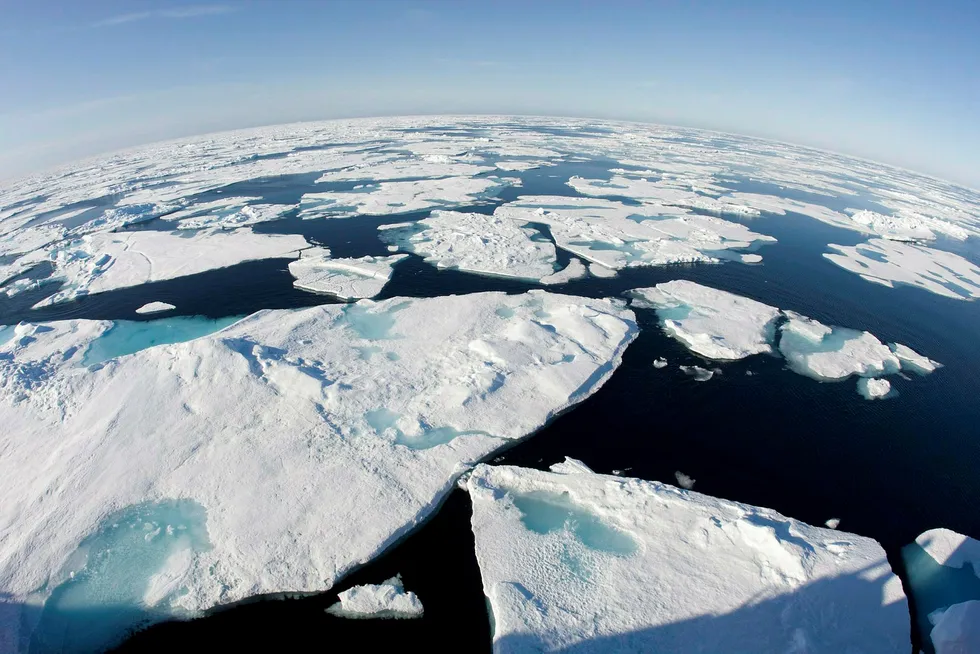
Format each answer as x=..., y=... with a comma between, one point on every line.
x=956, y=630
x=598, y=563
x=874, y=389
x=715, y=324
x=388, y=599
x=476, y=242
x=301, y=442
x=228, y=213
x=155, y=307
x=347, y=279
x=912, y=360
x=888, y=263
x=700, y=374
x=660, y=362
x=830, y=353
x=574, y=270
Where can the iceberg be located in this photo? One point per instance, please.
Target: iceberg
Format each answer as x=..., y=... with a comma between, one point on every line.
x=311, y=439
x=888, y=263
x=107, y=261
x=347, y=279
x=715, y=324
x=476, y=242
x=388, y=599
x=833, y=353
x=596, y=563
x=874, y=389
x=155, y=307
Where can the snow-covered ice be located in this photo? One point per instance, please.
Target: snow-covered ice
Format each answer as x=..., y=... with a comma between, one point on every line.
x=832, y=523
x=700, y=374
x=574, y=270
x=388, y=599
x=310, y=439
x=888, y=263
x=684, y=481
x=874, y=389
x=715, y=324
x=831, y=353
x=347, y=279
x=913, y=361
x=155, y=307
x=660, y=362
x=957, y=629
x=596, y=563
x=476, y=242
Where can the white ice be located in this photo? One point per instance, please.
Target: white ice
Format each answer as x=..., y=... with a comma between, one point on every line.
x=107, y=261
x=888, y=263
x=388, y=599
x=700, y=374
x=957, y=629
x=830, y=353
x=155, y=307
x=874, y=389
x=312, y=439
x=228, y=213
x=574, y=270
x=951, y=549
x=347, y=279
x=684, y=481
x=430, y=166
x=597, y=563
x=476, y=242
x=912, y=360
x=660, y=362
x=715, y=324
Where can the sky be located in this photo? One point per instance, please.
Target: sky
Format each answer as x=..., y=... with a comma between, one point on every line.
x=897, y=81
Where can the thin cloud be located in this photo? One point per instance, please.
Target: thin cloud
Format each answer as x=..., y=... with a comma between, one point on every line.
x=177, y=13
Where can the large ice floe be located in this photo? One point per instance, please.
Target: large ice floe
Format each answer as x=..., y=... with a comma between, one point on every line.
x=943, y=570
x=107, y=261
x=576, y=561
x=385, y=600
x=271, y=456
x=348, y=279
x=722, y=326
x=889, y=263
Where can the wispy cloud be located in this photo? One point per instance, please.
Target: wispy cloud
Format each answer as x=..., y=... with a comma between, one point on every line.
x=175, y=13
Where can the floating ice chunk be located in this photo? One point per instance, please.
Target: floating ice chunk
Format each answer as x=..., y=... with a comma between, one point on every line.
x=155, y=307
x=943, y=570
x=405, y=169
x=700, y=374
x=478, y=243
x=385, y=600
x=574, y=270
x=832, y=523
x=661, y=192
x=593, y=563
x=957, y=629
x=128, y=337
x=347, y=279
x=570, y=466
x=107, y=261
x=874, y=389
x=683, y=480
x=912, y=360
x=712, y=323
x=833, y=353
x=616, y=235
x=235, y=217
x=600, y=271
x=888, y=263
x=308, y=456
x=660, y=362
x=895, y=228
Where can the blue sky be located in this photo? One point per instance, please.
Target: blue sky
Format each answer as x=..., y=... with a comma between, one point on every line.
x=896, y=81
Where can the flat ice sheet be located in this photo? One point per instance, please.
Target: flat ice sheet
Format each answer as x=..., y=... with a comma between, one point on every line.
x=594, y=563
x=155, y=307
x=888, y=263
x=347, y=279
x=829, y=353
x=306, y=441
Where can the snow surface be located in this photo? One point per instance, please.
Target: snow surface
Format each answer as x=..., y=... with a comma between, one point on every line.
x=311, y=439
x=715, y=324
x=347, y=279
x=155, y=307
x=832, y=353
x=957, y=629
x=951, y=549
x=599, y=563
x=888, y=263
x=912, y=360
x=700, y=374
x=874, y=389
x=388, y=599
x=574, y=270
x=476, y=242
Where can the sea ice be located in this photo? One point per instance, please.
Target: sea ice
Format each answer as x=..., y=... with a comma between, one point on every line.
x=874, y=389
x=888, y=263
x=712, y=323
x=347, y=279
x=107, y=261
x=957, y=629
x=388, y=599
x=405, y=169
x=476, y=242
x=155, y=307
x=684, y=481
x=700, y=374
x=912, y=360
x=660, y=362
x=311, y=439
x=833, y=353
x=574, y=270
x=127, y=337
x=597, y=563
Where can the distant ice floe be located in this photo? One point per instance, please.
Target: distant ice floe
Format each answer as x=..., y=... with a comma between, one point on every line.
x=476, y=242
x=700, y=374
x=943, y=570
x=889, y=263
x=596, y=563
x=388, y=599
x=722, y=326
x=429, y=166
x=347, y=279
x=259, y=441
x=228, y=213
x=107, y=261
x=155, y=307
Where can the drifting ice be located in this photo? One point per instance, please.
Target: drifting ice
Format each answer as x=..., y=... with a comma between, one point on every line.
x=155, y=307
x=385, y=600
x=347, y=279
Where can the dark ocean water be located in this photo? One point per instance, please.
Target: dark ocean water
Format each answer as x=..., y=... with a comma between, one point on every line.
x=887, y=469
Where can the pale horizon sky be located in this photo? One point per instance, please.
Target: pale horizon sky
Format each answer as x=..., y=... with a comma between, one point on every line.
x=896, y=82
